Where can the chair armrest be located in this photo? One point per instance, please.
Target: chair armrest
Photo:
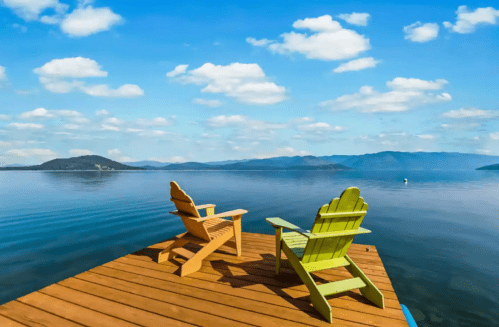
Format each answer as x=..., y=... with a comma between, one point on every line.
x=359, y=230
x=204, y=206
x=237, y=212
x=277, y=222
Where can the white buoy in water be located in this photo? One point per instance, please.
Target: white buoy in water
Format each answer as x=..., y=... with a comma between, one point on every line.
x=405, y=180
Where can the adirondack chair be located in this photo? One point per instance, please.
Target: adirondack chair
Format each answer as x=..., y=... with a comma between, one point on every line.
x=325, y=247
x=210, y=231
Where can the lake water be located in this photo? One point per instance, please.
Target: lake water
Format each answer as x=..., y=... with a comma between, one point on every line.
x=438, y=235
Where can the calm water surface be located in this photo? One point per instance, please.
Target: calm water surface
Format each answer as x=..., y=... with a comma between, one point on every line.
x=438, y=235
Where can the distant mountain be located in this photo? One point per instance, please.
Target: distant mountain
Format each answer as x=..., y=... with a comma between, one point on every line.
x=283, y=162
x=78, y=163
x=188, y=166
x=293, y=163
x=14, y=165
x=226, y=162
x=386, y=160
x=144, y=163
x=489, y=167
x=392, y=160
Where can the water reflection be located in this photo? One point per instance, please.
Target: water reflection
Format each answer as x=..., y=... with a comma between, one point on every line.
x=87, y=178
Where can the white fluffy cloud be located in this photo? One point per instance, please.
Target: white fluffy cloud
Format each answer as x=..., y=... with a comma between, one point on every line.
x=105, y=127
x=467, y=21
x=79, y=152
x=59, y=76
x=86, y=21
x=83, y=21
x=320, y=128
x=471, y=113
x=258, y=43
x=401, y=83
x=37, y=113
x=357, y=64
x=329, y=41
x=224, y=121
x=494, y=136
x=26, y=125
x=180, y=69
x=426, y=137
x=4, y=117
x=246, y=83
x=44, y=113
x=406, y=93
x=71, y=67
x=31, y=9
x=103, y=90
x=209, y=103
x=355, y=18
x=419, y=32
x=3, y=76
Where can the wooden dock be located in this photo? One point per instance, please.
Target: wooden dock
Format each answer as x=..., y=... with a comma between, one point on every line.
x=228, y=291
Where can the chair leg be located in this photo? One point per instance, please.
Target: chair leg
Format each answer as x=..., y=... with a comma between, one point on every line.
x=318, y=300
x=194, y=263
x=370, y=291
x=236, y=220
x=165, y=254
x=278, y=242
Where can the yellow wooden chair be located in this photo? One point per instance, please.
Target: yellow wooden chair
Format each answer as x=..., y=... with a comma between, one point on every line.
x=210, y=231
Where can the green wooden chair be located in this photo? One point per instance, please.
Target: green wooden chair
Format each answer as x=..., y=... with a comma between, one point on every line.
x=325, y=247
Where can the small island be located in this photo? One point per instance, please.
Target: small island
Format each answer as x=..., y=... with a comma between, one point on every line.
x=92, y=162
x=489, y=167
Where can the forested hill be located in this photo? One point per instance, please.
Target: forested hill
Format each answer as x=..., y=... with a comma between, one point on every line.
x=92, y=162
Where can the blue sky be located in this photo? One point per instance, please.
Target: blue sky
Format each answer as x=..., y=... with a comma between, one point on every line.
x=198, y=81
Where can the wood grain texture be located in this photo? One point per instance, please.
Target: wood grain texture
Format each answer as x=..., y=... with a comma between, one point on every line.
x=226, y=291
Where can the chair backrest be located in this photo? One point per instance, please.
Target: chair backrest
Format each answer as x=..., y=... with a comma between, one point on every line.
x=351, y=209
x=186, y=208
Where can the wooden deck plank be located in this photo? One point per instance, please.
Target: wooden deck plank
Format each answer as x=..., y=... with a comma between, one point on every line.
x=106, y=302
x=267, y=267
x=31, y=316
x=234, y=283
x=249, y=270
x=72, y=311
x=293, y=291
x=234, y=310
x=349, y=309
x=227, y=291
x=268, y=263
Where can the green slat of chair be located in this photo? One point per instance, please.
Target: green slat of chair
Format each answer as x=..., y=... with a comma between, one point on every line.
x=325, y=247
